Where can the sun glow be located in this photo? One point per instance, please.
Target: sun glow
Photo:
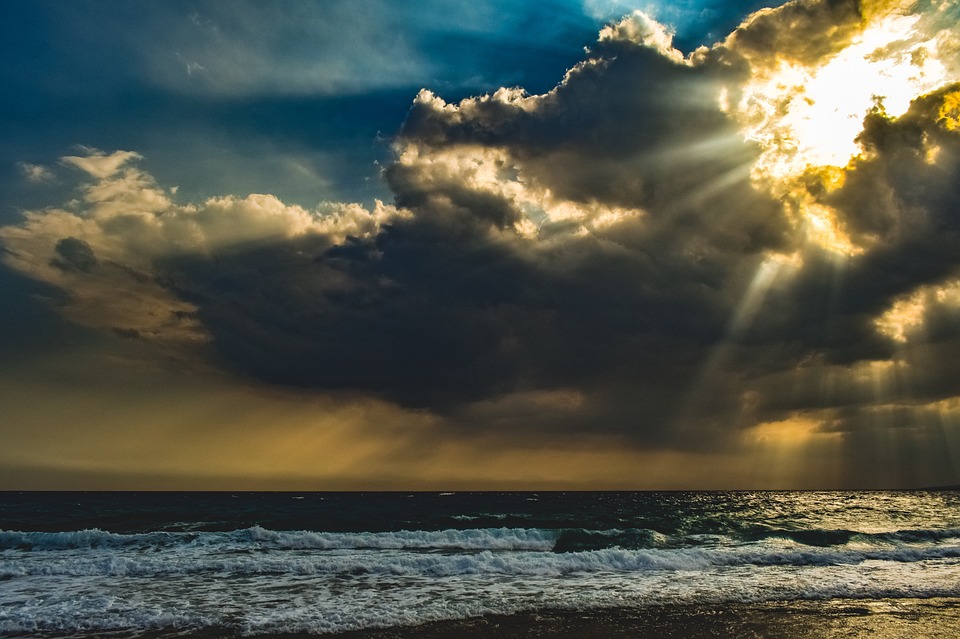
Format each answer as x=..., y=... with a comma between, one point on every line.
x=906, y=318
x=806, y=118
x=950, y=111
x=793, y=431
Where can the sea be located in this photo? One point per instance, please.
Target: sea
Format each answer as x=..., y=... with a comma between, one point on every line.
x=195, y=564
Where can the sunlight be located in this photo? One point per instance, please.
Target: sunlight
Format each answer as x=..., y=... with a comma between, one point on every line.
x=811, y=116
x=950, y=111
x=821, y=227
x=807, y=118
x=492, y=171
x=905, y=319
x=794, y=431
x=791, y=447
x=880, y=380
x=775, y=265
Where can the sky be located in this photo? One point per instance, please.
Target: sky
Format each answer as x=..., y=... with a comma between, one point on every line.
x=572, y=244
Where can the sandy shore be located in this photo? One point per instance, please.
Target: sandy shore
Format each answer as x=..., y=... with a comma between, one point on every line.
x=874, y=619
x=833, y=619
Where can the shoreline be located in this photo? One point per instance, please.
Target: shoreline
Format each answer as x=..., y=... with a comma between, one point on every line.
x=894, y=618
x=832, y=618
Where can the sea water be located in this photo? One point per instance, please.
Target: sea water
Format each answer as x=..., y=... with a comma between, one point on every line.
x=270, y=563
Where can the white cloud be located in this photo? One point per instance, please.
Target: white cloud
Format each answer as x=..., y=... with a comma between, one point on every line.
x=641, y=29
x=99, y=164
x=129, y=224
x=35, y=173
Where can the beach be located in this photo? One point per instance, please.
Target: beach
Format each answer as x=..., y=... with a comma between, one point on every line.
x=840, y=618
x=935, y=618
x=846, y=618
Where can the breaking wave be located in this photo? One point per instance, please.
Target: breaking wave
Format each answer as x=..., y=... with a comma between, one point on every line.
x=515, y=552
x=495, y=539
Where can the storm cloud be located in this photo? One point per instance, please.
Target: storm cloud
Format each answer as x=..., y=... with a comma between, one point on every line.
x=612, y=256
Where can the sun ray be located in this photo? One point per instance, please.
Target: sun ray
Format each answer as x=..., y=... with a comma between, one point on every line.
x=775, y=265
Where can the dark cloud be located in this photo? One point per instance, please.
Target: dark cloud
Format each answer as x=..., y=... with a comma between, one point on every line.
x=629, y=126
x=450, y=308
x=804, y=31
x=901, y=201
x=600, y=258
x=435, y=317
x=74, y=254
x=902, y=196
x=818, y=341
x=28, y=328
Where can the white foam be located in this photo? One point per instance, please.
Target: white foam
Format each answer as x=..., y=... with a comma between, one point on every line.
x=473, y=539
x=264, y=604
x=261, y=581
x=498, y=539
x=515, y=552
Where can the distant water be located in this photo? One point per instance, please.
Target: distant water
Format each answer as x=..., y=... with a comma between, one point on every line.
x=267, y=563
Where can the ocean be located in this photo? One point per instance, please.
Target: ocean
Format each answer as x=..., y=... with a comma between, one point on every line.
x=480, y=564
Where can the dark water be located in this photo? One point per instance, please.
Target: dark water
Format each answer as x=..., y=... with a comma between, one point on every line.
x=268, y=563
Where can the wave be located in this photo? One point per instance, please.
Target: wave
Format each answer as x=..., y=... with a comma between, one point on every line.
x=470, y=539
x=259, y=581
x=90, y=538
x=500, y=539
x=839, y=537
x=234, y=561
x=579, y=539
x=563, y=540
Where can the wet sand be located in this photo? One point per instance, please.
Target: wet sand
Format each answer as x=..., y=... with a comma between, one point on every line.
x=834, y=619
